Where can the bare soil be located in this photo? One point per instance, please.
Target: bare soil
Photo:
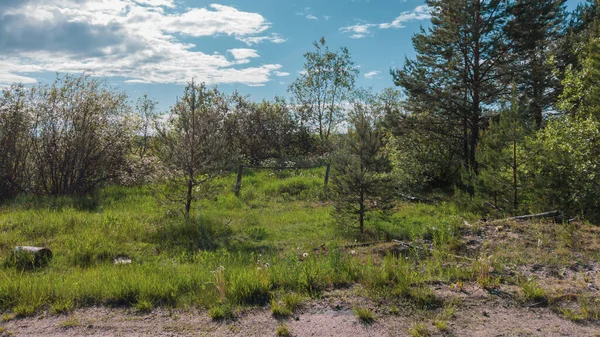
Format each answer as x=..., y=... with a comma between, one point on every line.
x=480, y=314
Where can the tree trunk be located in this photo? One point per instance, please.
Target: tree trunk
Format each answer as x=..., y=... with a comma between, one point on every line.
x=515, y=200
x=188, y=201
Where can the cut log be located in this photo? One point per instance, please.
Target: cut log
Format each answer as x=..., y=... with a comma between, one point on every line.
x=31, y=257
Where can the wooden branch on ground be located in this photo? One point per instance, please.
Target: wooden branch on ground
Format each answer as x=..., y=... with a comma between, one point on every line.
x=549, y=214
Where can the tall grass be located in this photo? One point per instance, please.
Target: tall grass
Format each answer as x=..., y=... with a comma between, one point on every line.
x=259, y=239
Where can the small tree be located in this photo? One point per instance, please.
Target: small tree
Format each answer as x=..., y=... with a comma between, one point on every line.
x=327, y=81
x=501, y=155
x=192, y=143
x=361, y=180
x=146, y=113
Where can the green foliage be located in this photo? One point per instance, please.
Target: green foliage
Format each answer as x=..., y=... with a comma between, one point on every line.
x=265, y=130
x=533, y=292
x=283, y=330
x=144, y=306
x=564, y=173
x=581, y=95
x=221, y=312
x=365, y=315
x=419, y=330
x=192, y=143
x=449, y=104
x=534, y=27
x=501, y=156
x=361, y=180
x=62, y=306
x=279, y=310
x=320, y=92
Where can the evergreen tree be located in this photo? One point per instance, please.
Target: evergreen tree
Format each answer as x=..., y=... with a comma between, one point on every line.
x=501, y=156
x=192, y=143
x=535, y=28
x=460, y=70
x=361, y=180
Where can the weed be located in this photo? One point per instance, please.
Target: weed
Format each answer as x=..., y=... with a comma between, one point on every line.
x=70, y=323
x=221, y=312
x=424, y=298
x=533, y=292
x=7, y=317
x=283, y=330
x=293, y=301
x=279, y=310
x=365, y=315
x=394, y=310
x=249, y=287
x=25, y=309
x=62, y=306
x=484, y=276
x=144, y=306
x=419, y=330
x=441, y=325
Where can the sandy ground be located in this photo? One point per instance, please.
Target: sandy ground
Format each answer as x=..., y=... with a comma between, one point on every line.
x=480, y=314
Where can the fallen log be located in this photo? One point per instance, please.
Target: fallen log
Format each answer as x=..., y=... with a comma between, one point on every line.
x=31, y=257
x=550, y=214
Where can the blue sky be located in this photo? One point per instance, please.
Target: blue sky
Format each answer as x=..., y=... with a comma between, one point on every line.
x=155, y=46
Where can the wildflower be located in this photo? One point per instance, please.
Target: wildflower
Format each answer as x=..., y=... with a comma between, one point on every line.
x=267, y=265
x=353, y=252
x=305, y=255
x=259, y=268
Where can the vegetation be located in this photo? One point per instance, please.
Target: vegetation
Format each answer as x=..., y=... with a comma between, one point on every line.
x=501, y=116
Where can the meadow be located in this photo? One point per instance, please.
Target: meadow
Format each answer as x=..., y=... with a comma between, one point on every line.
x=277, y=235
x=276, y=246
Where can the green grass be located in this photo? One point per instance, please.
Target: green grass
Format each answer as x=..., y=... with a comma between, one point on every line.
x=419, y=330
x=283, y=330
x=258, y=239
x=221, y=312
x=364, y=315
x=280, y=310
x=532, y=292
x=72, y=322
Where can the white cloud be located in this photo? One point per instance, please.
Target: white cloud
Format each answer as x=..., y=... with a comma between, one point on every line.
x=156, y=3
x=362, y=30
x=372, y=74
x=134, y=39
x=273, y=38
x=422, y=12
x=311, y=17
x=326, y=17
x=221, y=20
x=281, y=74
x=242, y=55
x=358, y=31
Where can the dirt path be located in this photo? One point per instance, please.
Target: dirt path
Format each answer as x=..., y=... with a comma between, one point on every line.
x=492, y=317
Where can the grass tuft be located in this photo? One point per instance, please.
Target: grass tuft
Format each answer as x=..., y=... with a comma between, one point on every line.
x=283, y=330
x=221, y=312
x=419, y=330
x=364, y=315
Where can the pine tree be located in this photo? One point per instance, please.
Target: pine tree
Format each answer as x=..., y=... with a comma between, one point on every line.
x=501, y=156
x=460, y=70
x=534, y=30
x=361, y=180
x=192, y=143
